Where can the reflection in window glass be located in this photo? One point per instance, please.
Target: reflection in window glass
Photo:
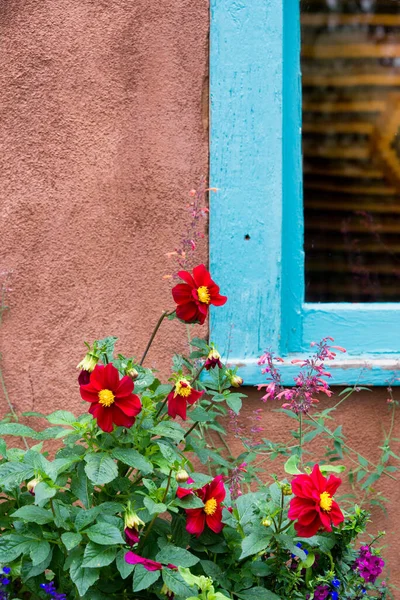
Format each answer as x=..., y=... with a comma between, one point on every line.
x=351, y=149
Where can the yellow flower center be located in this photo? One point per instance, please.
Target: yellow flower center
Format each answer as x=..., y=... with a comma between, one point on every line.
x=325, y=501
x=106, y=397
x=182, y=388
x=204, y=294
x=210, y=506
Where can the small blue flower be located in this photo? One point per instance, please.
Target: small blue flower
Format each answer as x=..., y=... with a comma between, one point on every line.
x=336, y=583
x=5, y=581
x=363, y=591
x=6, y=570
x=334, y=596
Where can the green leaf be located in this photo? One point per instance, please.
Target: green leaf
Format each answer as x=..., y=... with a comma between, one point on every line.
x=83, y=578
x=43, y=491
x=322, y=542
x=143, y=579
x=169, y=430
x=107, y=345
x=154, y=508
x=34, y=514
x=13, y=474
x=258, y=593
x=39, y=551
x=134, y=459
x=104, y=534
x=332, y=468
x=246, y=504
x=175, y=555
x=175, y=582
x=98, y=556
x=124, y=568
x=12, y=546
x=70, y=540
x=234, y=403
x=18, y=430
x=254, y=543
x=80, y=486
x=3, y=448
x=100, y=468
x=61, y=417
x=291, y=465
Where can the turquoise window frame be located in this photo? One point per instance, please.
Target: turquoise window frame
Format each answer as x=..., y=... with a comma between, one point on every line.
x=256, y=216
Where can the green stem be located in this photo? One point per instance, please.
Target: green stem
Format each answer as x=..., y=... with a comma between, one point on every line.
x=165, y=313
x=301, y=438
x=150, y=527
x=351, y=449
x=7, y=397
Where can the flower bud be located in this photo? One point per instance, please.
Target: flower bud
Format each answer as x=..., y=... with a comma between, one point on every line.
x=88, y=363
x=132, y=373
x=167, y=592
x=182, y=476
x=236, y=381
x=32, y=484
x=287, y=490
x=213, y=360
x=266, y=522
x=132, y=519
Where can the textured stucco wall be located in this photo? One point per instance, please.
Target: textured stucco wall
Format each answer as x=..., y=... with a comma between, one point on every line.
x=102, y=132
x=102, y=135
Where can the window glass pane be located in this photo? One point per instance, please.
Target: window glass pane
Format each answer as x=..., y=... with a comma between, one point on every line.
x=351, y=149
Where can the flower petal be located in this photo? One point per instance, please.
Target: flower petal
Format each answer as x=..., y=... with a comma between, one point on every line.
x=135, y=559
x=333, y=484
x=88, y=393
x=104, y=418
x=125, y=387
x=194, y=396
x=120, y=418
x=111, y=377
x=130, y=405
x=186, y=276
x=309, y=530
x=318, y=479
x=176, y=406
x=97, y=378
x=196, y=520
x=201, y=276
x=188, y=312
x=182, y=293
x=214, y=521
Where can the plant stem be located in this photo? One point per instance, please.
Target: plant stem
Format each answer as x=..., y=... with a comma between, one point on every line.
x=165, y=313
x=150, y=527
x=7, y=397
x=301, y=437
x=351, y=449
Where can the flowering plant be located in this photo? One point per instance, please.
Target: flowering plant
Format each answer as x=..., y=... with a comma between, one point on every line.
x=124, y=509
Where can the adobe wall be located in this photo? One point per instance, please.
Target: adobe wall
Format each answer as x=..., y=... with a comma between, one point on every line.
x=103, y=132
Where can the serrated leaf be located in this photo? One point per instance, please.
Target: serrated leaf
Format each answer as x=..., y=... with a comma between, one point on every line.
x=124, y=568
x=332, y=468
x=104, y=534
x=61, y=417
x=169, y=430
x=12, y=546
x=39, y=551
x=143, y=579
x=174, y=555
x=97, y=556
x=154, y=508
x=18, y=430
x=257, y=593
x=83, y=578
x=80, y=485
x=134, y=459
x=13, y=474
x=43, y=492
x=254, y=543
x=34, y=514
x=175, y=582
x=234, y=403
x=100, y=468
x=70, y=539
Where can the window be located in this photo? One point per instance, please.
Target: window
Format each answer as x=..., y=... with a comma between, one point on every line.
x=259, y=225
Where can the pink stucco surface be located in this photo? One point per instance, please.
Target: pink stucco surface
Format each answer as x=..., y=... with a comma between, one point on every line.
x=102, y=135
x=103, y=131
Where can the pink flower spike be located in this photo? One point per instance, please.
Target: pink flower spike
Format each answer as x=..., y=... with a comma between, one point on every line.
x=340, y=348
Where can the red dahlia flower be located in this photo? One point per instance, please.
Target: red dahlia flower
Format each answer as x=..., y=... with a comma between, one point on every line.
x=213, y=360
x=112, y=399
x=180, y=396
x=210, y=514
x=195, y=295
x=150, y=565
x=313, y=506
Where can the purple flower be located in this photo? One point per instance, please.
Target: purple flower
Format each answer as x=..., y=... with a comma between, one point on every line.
x=368, y=565
x=321, y=592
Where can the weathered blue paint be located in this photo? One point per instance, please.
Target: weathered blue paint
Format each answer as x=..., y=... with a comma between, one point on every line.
x=256, y=220
x=246, y=167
